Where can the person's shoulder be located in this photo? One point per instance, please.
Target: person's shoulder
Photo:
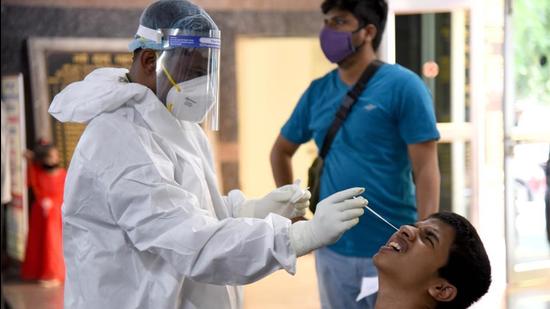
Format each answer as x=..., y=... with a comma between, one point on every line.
x=398, y=73
x=322, y=82
x=111, y=137
x=109, y=123
x=401, y=79
x=60, y=173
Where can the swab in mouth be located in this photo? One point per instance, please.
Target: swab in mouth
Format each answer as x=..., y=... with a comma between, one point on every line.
x=380, y=217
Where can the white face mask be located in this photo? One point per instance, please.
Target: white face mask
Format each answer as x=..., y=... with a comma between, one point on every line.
x=190, y=100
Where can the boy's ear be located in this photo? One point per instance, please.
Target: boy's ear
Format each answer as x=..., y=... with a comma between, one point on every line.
x=442, y=291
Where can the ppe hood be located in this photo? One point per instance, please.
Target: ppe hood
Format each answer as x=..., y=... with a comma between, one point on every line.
x=103, y=90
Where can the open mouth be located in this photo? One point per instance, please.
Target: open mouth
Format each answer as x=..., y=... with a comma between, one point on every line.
x=395, y=246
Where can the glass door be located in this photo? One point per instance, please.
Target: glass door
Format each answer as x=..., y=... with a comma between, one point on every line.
x=443, y=42
x=432, y=39
x=527, y=144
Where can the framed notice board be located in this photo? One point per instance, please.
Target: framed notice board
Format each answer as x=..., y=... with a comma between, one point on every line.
x=57, y=62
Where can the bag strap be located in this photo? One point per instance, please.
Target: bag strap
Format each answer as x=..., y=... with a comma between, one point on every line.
x=350, y=98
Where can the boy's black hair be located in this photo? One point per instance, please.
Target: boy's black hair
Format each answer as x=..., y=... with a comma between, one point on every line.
x=373, y=12
x=468, y=267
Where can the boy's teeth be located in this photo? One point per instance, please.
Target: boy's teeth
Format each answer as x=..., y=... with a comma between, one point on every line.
x=395, y=246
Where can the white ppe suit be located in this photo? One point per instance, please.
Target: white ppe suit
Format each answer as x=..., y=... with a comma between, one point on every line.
x=144, y=224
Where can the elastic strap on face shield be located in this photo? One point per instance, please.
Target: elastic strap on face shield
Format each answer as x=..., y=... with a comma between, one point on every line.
x=170, y=78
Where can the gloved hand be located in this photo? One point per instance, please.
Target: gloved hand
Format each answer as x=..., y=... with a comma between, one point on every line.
x=334, y=215
x=288, y=201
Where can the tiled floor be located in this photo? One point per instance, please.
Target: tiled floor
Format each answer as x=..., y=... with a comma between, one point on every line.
x=21, y=295
x=279, y=290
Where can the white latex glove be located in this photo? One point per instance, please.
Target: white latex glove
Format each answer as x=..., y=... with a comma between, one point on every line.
x=289, y=201
x=334, y=215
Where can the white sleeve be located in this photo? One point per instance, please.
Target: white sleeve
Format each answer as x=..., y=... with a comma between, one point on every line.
x=161, y=218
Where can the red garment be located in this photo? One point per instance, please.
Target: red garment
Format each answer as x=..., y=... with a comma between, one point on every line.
x=44, y=254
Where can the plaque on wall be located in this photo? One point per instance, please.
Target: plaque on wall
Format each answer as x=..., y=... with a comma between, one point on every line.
x=54, y=64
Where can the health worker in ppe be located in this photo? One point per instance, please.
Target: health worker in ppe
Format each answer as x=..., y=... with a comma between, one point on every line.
x=144, y=224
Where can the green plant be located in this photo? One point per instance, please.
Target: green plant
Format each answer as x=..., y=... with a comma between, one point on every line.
x=531, y=24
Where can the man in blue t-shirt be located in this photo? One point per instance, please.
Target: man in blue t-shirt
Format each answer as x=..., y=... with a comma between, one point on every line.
x=389, y=135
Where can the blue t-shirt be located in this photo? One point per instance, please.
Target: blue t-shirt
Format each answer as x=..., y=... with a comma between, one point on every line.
x=370, y=148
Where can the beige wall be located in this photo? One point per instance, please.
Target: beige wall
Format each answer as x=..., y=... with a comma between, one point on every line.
x=272, y=74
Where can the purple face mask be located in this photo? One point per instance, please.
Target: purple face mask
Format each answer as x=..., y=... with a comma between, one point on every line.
x=336, y=45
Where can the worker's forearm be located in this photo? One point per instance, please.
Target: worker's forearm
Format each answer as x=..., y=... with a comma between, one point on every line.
x=281, y=166
x=427, y=191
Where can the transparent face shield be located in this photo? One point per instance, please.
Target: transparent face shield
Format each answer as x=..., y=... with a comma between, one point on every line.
x=188, y=75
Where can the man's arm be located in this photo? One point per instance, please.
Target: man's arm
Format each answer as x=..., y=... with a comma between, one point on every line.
x=281, y=160
x=426, y=177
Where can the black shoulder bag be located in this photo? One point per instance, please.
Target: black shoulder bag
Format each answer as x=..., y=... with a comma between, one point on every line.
x=316, y=168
